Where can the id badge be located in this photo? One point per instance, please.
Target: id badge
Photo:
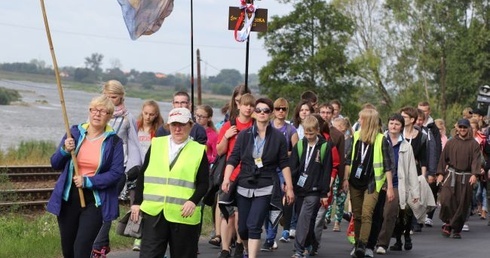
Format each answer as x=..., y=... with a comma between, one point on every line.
x=258, y=162
x=302, y=180
x=359, y=172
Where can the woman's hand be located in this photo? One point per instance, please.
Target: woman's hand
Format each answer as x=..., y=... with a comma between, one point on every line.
x=69, y=144
x=232, y=131
x=188, y=209
x=225, y=186
x=78, y=180
x=135, y=213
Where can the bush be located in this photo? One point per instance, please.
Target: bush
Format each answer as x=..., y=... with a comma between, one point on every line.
x=8, y=95
x=28, y=153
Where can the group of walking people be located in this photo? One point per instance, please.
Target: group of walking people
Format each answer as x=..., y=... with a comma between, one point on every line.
x=296, y=174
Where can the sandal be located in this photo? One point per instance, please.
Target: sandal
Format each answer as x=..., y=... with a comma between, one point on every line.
x=216, y=240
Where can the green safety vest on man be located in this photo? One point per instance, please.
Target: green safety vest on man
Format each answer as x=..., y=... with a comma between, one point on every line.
x=379, y=174
x=166, y=189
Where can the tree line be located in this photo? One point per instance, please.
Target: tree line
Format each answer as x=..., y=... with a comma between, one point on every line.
x=391, y=53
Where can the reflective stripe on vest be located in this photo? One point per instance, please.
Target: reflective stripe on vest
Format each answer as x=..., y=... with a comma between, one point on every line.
x=379, y=175
x=167, y=190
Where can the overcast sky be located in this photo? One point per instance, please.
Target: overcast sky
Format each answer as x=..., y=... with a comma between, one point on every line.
x=80, y=28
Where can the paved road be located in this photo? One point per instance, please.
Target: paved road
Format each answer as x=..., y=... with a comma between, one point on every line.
x=428, y=243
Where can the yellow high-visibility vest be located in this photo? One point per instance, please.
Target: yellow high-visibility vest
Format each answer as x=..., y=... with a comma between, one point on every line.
x=379, y=174
x=168, y=190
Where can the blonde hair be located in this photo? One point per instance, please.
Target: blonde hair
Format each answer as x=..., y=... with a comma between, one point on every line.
x=345, y=123
x=370, y=125
x=113, y=87
x=102, y=100
x=310, y=123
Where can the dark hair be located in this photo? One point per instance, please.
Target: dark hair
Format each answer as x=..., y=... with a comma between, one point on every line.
x=183, y=93
x=296, y=119
x=309, y=96
x=266, y=101
x=324, y=127
x=398, y=117
x=239, y=90
x=410, y=111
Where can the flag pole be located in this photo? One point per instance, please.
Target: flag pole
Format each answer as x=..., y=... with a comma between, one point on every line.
x=192, y=58
x=62, y=99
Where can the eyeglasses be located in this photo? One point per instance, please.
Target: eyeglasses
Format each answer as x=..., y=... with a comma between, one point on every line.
x=462, y=127
x=281, y=109
x=325, y=112
x=265, y=110
x=101, y=111
x=181, y=102
x=201, y=117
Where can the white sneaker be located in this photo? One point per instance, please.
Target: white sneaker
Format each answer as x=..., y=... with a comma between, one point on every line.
x=428, y=222
x=381, y=250
x=369, y=253
x=466, y=228
x=292, y=233
x=353, y=252
x=274, y=246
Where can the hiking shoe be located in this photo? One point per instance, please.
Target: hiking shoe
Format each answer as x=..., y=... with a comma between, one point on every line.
x=224, y=254
x=285, y=236
x=267, y=246
x=137, y=245
x=381, y=250
x=456, y=235
x=369, y=253
x=408, y=244
x=428, y=222
x=466, y=228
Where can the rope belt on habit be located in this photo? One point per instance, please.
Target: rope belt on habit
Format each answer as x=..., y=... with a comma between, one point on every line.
x=453, y=172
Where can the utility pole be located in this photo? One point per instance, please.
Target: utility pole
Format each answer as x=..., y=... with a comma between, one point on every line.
x=199, y=89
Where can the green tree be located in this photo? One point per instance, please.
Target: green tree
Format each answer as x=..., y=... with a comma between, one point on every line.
x=307, y=50
x=94, y=62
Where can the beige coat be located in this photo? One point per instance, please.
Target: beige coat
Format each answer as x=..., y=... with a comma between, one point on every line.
x=408, y=184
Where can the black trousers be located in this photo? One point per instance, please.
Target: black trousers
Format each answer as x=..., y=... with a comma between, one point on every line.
x=78, y=226
x=157, y=232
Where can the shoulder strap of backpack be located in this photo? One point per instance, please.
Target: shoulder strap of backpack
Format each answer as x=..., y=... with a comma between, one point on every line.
x=323, y=149
x=300, y=149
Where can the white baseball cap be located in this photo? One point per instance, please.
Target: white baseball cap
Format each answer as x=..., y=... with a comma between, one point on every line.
x=179, y=115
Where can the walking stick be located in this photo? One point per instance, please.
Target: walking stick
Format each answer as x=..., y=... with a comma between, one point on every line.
x=62, y=99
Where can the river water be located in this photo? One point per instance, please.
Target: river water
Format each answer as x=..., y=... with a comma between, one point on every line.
x=39, y=117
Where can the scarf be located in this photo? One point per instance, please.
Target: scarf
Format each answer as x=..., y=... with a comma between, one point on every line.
x=120, y=111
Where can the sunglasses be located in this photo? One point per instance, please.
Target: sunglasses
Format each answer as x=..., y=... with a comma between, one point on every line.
x=462, y=127
x=265, y=110
x=281, y=109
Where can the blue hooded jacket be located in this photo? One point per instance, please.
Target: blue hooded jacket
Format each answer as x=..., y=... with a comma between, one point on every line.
x=103, y=184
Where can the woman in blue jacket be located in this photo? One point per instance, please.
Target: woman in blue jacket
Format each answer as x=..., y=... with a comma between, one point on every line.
x=100, y=157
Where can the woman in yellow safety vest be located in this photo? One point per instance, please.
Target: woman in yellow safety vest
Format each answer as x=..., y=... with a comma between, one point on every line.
x=173, y=180
x=367, y=171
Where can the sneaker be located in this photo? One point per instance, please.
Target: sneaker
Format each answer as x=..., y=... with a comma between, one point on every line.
x=224, y=254
x=428, y=222
x=101, y=253
x=297, y=255
x=417, y=228
x=381, y=250
x=360, y=250
x=285, y=236
x=353, y=252
x=137, y=245
x=369, y=253
x=274, y=246
x=267, y=246
x=408, y=244
x=456, y=235
x=336, y=227
x=292, y=233
x=466, y=228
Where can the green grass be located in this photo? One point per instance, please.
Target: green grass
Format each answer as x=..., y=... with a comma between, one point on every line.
x=37, y=235
x=28, y=153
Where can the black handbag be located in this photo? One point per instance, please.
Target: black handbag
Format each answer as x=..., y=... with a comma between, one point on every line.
x=216, y=174
x=127, y=227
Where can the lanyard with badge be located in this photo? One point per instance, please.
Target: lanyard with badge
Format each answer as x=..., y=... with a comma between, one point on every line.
x=363, y=156
x=309, y=153
x=258, y=145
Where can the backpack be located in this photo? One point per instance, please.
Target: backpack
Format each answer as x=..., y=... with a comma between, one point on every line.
x=323, y=149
